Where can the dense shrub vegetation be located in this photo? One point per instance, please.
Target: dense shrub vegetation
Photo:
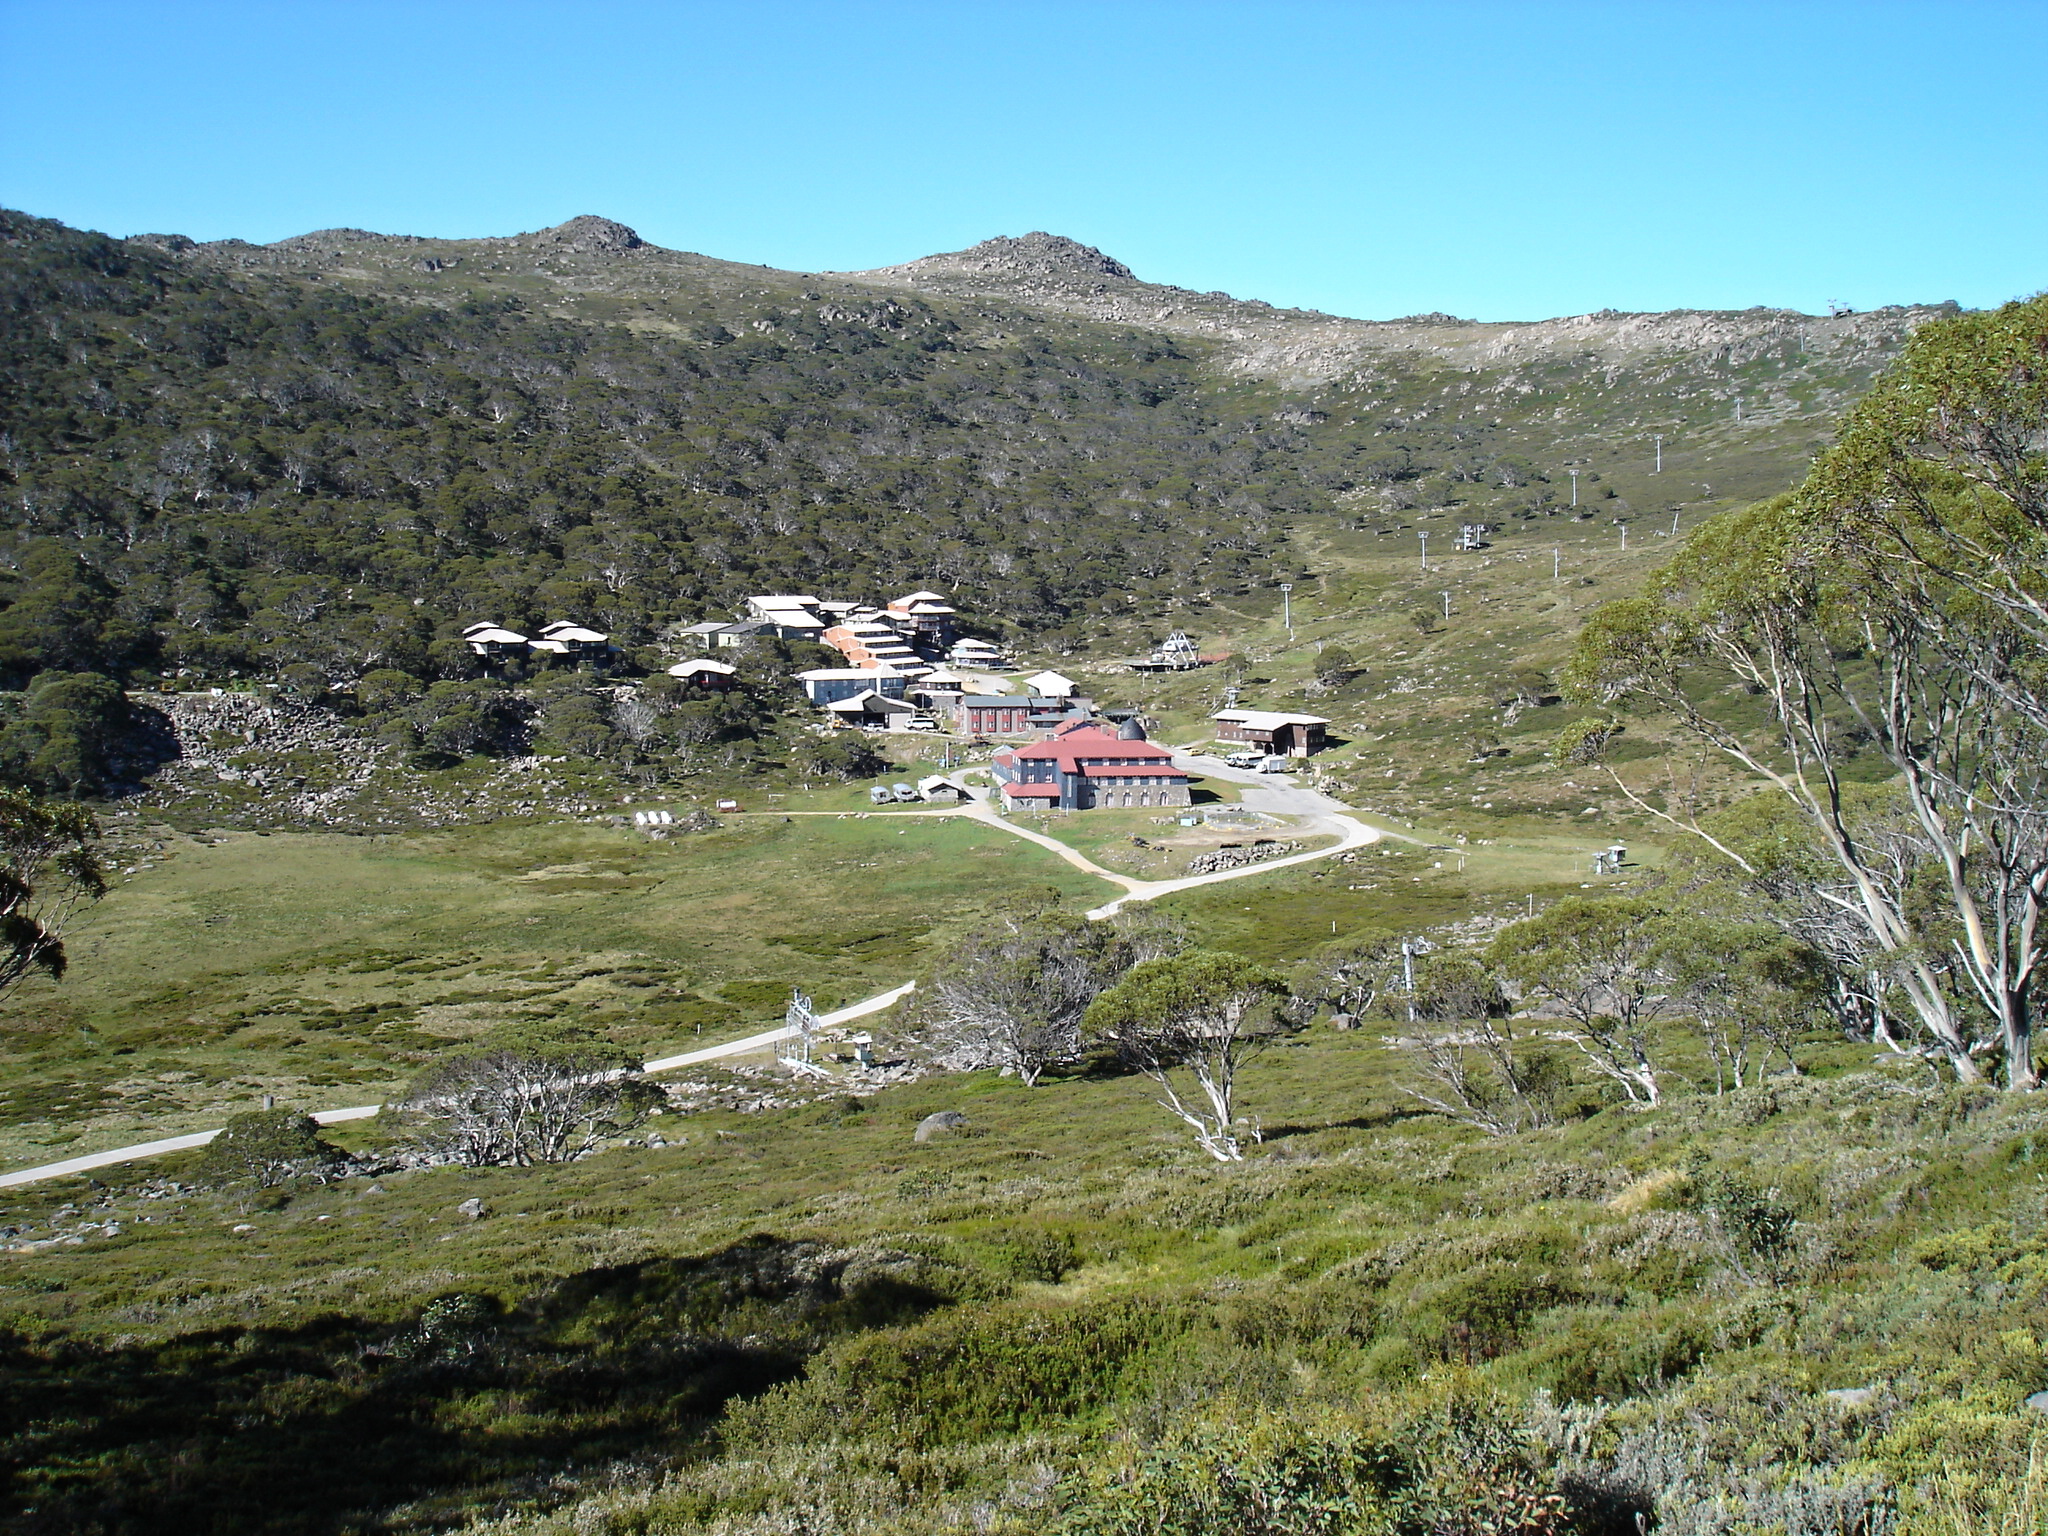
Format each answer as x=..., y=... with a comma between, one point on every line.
x=236, y=473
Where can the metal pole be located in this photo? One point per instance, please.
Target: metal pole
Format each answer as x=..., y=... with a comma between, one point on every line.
x=1408, y=975
x=1447, y=605
x=1660, y=455
x=1575, y=487
x=1556, y=555
x=1287, y=606
x=1624, y=536
x=1423, y=534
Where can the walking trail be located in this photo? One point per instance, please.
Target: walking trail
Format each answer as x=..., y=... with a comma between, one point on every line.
x=1323, y=813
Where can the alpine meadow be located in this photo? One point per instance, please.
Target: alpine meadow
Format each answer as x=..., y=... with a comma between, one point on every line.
x=648, y=896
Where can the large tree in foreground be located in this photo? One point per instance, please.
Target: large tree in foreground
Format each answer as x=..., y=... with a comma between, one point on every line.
x=1189, y=1023
x=49, y=868
x=1896, y=605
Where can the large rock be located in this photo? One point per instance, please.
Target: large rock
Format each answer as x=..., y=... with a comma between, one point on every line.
x=939, y=1124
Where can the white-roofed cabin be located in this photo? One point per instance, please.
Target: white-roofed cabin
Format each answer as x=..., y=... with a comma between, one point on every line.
x=494, y=642
x=1282, y=735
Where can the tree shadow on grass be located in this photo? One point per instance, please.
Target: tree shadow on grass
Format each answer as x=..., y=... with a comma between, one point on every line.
x=325, y=1428
x=1392, y=1116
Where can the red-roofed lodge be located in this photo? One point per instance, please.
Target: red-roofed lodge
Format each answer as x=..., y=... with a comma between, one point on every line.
x=1082, y=766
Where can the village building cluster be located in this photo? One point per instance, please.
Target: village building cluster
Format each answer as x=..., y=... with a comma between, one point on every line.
x=905, y=667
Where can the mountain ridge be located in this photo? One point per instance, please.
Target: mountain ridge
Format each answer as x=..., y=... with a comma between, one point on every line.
x=1294, y=348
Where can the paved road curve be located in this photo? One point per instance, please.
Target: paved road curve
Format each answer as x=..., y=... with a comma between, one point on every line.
x=1262, y=793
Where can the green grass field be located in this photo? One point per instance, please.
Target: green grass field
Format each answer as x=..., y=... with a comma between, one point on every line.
x=325, y=969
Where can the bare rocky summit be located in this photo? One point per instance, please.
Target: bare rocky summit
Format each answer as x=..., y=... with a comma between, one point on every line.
x=1306, y=348
x=1038, y=256
x=602, y=260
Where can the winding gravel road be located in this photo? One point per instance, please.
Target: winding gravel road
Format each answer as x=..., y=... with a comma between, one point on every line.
x=1263, y=792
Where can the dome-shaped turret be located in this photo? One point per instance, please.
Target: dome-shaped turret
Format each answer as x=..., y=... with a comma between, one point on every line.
x=1130, y=730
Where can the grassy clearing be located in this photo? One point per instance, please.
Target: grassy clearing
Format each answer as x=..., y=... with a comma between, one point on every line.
x=325, y=969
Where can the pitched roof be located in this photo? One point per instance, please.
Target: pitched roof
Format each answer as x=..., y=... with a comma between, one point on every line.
x=1032, y=791
x=1265, y=720
x=1084, y=738
x=701, y=664
x=868, y=700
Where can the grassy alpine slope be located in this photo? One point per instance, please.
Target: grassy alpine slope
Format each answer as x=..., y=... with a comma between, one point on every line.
x=1064, y=1314
x=1811, y=1304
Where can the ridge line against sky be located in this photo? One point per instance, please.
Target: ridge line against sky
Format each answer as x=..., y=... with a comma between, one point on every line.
x=1502, y=161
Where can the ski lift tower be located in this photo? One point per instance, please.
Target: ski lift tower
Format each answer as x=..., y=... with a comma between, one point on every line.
x=802, y=1022
x=1177, y=652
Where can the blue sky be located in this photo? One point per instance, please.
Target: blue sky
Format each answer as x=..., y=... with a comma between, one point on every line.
x=1500, y=161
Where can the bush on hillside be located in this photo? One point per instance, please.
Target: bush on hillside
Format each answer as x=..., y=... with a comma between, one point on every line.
x=268, y=1147
x=526, y=1094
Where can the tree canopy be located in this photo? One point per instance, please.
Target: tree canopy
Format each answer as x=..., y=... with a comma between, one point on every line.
x=1894, y=607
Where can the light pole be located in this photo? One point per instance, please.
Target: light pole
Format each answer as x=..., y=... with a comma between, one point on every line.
x=1660, y=455
x=1447, y=605
x=1575, y=487
x=1556, y=561
x=1287, y=607
x=1423, y=534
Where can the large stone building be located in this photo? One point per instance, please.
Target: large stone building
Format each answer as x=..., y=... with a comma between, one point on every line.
x=1082, y=766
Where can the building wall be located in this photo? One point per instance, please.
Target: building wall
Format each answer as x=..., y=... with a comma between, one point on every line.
x=1237, y=730
x=1138, y=796
x=1010, y=720
x=829, y=690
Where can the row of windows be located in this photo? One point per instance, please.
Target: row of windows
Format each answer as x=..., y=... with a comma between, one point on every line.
x=1112, y=798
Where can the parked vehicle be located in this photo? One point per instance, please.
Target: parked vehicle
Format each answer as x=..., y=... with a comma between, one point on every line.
x=878, y=794
x=904, y=792
x=1243, y=760
x=1273, y=765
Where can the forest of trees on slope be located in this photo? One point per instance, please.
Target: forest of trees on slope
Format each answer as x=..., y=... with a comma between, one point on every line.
x=234, y=473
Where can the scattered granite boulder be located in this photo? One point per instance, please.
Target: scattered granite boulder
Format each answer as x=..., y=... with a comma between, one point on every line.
x=937, y=1124
x=474, y=1209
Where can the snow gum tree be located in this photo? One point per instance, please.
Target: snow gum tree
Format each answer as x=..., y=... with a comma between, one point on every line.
x=1896, y=605
x=1189, y=1023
